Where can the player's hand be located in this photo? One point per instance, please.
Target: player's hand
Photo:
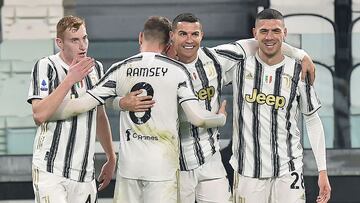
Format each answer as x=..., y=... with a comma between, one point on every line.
x=135, y=102
x=106, y=173
x=79, y=68
x=324, y=188
x=308, y=68
x=222, y=108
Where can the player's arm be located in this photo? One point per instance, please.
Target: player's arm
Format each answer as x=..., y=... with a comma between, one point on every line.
x=44, y=108
x=73, y=107
x=250, y=46
x=308, y=66
x=201, y=117
x=104, y=136
x=317, y=141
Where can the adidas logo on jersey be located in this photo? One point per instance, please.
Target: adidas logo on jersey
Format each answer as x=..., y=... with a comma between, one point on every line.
x=261, y=98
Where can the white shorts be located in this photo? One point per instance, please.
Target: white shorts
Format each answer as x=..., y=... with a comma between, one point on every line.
x=142, y=191
x=205, y=184
x=288, y=188
x=50, y=188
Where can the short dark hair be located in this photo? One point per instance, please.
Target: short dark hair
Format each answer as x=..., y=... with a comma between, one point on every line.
x=157, y=28
x=184, y=17
x=269, y=14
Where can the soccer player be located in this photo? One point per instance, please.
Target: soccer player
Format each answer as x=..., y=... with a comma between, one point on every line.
x=268, y=97
x=63, y=157
x=149, y=153
x=202, y=176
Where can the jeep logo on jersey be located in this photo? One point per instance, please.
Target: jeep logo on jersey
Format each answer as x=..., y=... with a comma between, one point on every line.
x=261, y=98
x=206, y=93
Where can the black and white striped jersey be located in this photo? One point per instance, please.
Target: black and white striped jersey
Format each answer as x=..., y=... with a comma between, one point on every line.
x=64, y=147
x=149, y=141
x=212, y=69
x=267, y=102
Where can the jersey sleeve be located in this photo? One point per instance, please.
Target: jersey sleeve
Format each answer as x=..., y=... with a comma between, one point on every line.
x=41, y=83
x=106, y=87
x=229, y=55
x=185, y=90
x=309, y=102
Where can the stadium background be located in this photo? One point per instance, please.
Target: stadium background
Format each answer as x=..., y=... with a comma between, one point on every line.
x=329, y=30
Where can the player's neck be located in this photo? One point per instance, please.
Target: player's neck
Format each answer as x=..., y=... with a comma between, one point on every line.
x=66, y=61
x=271, y=59
x=152, y=47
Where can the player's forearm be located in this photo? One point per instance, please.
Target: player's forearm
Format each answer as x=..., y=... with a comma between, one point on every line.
x=103, y=133
x=73, y=107
x=114, y=103
x=317, y=139
x=293, y=52
x=200, y=117
x=45, y=108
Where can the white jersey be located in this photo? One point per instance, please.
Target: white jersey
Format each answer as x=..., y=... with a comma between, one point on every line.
x=148, y=141
x=267, y=102
x=210, y=72
x=64, y=147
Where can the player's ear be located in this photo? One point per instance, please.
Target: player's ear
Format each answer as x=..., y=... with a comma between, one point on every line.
x=59, y=43
x=141, y=35
x=254, y=33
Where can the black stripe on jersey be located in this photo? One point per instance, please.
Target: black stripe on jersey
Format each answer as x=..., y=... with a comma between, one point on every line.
x=197, y=147
x=56, y=79
x=256, y=125
x=70, y=148
x=188, y=100
x=183, y=165
x=205, y=83
x=288, y=124
x=88, y=83
x=114, y=68
x=274, y=124
x=238, y=44
x=86, y=155
x=229, y=54
x=218, y=71
x=308, y=95
x=54, y=147
x=36, y=90
x=50, y=76
x=240, y=76
x=110, y=84
x=219, y=79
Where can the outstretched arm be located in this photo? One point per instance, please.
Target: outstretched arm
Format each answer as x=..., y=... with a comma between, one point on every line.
x=317, y=142
x=73, y=107
x=201, y=117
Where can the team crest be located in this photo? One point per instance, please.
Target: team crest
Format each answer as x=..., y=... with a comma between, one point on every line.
x=44, y=86
x=286, y=80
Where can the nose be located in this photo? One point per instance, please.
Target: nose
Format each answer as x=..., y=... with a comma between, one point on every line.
x=189, y=38
x=83, y=44
x=269, y=35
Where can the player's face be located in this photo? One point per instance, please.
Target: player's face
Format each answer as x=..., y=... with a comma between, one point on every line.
x=186, y=40
x=270, y=33
x=74, y=45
